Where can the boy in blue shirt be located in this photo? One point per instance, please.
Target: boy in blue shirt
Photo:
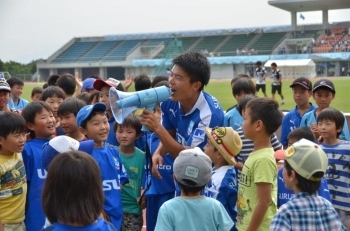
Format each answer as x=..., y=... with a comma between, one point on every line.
x=41, y=124
x=330, y=123
x=302, y=91
x=284, y=194
x=93, y=123
x=191, y=211
x=16, y=102
x=222, y=146
x=323, y=93
x=241, y=85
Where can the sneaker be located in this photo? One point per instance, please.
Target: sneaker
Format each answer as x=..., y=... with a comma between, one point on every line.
x=282, y=102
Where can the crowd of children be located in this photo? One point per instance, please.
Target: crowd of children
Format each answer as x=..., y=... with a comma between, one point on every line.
x=67, y=164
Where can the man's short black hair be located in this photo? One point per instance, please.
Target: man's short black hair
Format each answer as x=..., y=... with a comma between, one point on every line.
x=266, y=110
x=51, y=81
x=37, y=90
x=305, y=185
x=274, y=64
x=142, y=82
x=333, y=115
x=195, y=65
x=258, y=63
x=70, y=105
x=158, y=79
x=131, y=121
x=67, y=84
x=11, y=123
x=15, y=81
x=244, y=101
x=243, y=84
x=302, y=133
x=52, y=91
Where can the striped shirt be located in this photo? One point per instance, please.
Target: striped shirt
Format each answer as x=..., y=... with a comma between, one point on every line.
x=305, y=213
x=338, y=173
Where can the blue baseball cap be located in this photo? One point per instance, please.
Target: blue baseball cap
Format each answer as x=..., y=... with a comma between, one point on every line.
x=61, y=144
x=86, y=111
x=88, y=84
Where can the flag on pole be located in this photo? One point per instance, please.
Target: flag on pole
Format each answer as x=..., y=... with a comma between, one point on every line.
x=302, y=17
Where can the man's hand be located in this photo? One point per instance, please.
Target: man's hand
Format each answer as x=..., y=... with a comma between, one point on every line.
x=129, y=79
x=157, y=160
x=149, y=119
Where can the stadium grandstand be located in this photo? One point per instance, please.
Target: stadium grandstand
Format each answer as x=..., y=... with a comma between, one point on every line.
x=322, y=49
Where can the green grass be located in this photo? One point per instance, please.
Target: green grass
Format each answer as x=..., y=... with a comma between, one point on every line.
x=222, y=91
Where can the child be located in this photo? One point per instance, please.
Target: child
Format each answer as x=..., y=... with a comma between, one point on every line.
x=304, y=166
x=84, y=96
x=13, y=186
x=71, y=207
x=93, y=123
x=142, y=82
x=88, y=85
x=222, y=145
x=94, y=97
x=67, y=84
x=16, y=102
x=285, y=194
x=67, y=112
x=54, y=96
x=134, y=161
x=5, y=93
x=103, y=86
x=41, y=124
x=302, y=91
x=323, y=93
x=257, y=190
x=191, y=211
x=330, y=124
x=241, y=85
x=36, y=94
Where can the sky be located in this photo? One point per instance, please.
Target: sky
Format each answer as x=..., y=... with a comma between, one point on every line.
x=34, y=29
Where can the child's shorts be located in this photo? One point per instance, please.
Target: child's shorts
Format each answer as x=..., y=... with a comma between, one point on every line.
x=14, y=227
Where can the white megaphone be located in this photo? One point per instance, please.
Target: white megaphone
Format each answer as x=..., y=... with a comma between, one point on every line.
x=124, y=103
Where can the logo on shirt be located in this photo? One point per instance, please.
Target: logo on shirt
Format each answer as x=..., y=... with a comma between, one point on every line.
x=172, y=111
x=42, y=173
x=190, y=127
x=199, y=134
x=109, y=185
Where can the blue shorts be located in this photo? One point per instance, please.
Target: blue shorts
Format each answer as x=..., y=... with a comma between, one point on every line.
x=153, y=205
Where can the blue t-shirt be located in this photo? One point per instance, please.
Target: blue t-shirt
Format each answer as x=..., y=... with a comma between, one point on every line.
x=223, y=187
x=196, y=213
x=190, y=127
x=290, y=122
x=112, y=138
x=36, y=175
x=285, y=194
x=100, y=225
x=310, y=118
x=22, y=103
x=166, y=184
x=59, y=131
x=233, y=119
x=113, y=175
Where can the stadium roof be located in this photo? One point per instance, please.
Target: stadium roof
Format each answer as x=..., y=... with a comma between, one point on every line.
x=310, y=5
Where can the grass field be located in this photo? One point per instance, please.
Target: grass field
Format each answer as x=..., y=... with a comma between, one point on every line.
x=222, y=91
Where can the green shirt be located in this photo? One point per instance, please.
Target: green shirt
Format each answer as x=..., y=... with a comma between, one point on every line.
x=134, y=166
x=260, y=167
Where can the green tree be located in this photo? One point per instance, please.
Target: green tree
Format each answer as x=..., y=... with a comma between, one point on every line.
x=2, y=66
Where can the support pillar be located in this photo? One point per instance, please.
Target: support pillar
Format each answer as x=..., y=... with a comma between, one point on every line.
x=294, y=21
x=103, y=72
x=325, y=19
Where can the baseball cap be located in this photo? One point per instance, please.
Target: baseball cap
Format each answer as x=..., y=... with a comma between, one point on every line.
x=325, y=83
x=305, y=157
x=88, y=84
x=99, y=83
x=302, y=81
x=86, y=111
x=60, y=144
x=193, y=165
x=4, y=86
x=226, y=141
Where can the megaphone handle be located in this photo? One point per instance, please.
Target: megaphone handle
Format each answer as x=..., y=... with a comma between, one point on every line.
x=149, y=108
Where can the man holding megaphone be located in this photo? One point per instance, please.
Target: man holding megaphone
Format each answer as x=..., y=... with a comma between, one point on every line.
x=187, y=113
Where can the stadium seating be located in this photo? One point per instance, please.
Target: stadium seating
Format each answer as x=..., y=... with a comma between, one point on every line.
x=308, y=34
x=267, y=42
x=99, y=51
x=208, y=43
x=187, y=42
x=238, y=41
x=121, y=51
x=329, y=41
x=74, y=52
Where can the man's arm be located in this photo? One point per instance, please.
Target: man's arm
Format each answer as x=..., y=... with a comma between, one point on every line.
x=264, y=194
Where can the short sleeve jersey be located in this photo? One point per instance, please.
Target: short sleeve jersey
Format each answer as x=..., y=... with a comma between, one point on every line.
x=190, y=127
x=22, y=103
x=260, y=167
x=260, y=72
x=233, y=119
x=276, y=75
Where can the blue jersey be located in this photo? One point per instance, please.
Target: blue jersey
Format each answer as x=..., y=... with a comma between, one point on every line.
x=223, y=187
x=112, y=138
x=166, y=184
x=338, y=173
x=190, y=127
x=310, y=118
x=285, y=194
x=100, y=225
x=113, y=175
x=290, y=122
x=233, y=119
x=22, y=103
x=36, y=175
